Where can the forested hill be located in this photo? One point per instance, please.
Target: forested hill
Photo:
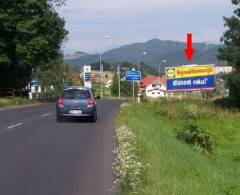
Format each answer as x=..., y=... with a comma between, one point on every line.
x=157, y=51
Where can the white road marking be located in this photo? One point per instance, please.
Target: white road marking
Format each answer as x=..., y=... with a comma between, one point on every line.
x=44, y=115
x=13, y=126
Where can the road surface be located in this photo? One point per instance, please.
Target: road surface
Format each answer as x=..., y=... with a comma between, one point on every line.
x=41, y=157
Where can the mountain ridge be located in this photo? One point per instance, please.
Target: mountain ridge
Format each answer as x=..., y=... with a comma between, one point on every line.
x=157, y=51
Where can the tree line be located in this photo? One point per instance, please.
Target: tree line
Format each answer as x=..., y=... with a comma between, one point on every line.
x=31, y=36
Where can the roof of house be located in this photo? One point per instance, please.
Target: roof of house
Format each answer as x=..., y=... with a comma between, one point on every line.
x=152, y=80
x=96, y=78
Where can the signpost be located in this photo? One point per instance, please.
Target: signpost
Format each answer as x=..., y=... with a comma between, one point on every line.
x=190, y=78
x=133, y=76
x=87, y=76
x=119, y=81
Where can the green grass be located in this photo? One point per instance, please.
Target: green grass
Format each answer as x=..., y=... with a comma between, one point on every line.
x=177, y=168
x=8, y=102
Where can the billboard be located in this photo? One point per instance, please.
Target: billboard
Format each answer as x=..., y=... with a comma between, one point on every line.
x=190, y=78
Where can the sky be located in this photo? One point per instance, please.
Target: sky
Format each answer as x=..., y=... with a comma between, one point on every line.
x=130, y=21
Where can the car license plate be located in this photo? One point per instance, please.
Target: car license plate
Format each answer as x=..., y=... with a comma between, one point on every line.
x=75, y=111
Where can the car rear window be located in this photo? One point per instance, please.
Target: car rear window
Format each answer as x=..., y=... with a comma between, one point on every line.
x=76, y=93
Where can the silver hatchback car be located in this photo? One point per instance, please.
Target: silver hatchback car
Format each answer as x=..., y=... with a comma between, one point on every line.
x=76, y=102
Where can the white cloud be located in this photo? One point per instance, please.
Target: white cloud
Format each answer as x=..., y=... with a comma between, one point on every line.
x=130, y=21
x=112, y=6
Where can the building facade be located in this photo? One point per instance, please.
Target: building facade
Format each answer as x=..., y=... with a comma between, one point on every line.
x=223, y=69
x=154, y=87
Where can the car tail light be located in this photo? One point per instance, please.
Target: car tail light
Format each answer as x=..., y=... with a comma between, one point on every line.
x=60, y=101
x=91, y=101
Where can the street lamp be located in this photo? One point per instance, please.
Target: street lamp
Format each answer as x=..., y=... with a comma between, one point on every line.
x=101, y=66
x=139, y=56
x=159, y=70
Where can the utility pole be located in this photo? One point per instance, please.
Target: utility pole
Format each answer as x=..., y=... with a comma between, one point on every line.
x=133, y=91
x=101, y=72
x=139, y=69
x=119, y=82
x=101, y=67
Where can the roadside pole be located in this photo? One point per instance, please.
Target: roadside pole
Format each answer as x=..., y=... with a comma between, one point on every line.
x=133, y=91
x=119, y=82
x=101, y=72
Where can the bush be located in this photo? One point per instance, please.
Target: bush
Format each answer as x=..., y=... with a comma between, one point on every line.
x=224, y=103
x=165, y=108
x=190, y=111
x=192, y=134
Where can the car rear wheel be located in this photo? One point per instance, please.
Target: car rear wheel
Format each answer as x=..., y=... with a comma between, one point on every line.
x=59, y=118
x=94, y=117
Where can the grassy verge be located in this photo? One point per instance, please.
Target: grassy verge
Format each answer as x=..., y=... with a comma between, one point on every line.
x=179, y=168
x=9, y=102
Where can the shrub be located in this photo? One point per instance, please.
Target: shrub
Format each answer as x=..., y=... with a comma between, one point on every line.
x=165, y=108
x=227, y=103
x=192, y=134
x=191, y=111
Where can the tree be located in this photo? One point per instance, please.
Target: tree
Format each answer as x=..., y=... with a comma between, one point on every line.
x=231, y=39
x=231, y=53
x=126, y=87
x=233, y=83
x=115, y=85
x=31, y=36
x=53, y=76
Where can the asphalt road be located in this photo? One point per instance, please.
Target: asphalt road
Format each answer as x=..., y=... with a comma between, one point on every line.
x=41, y=157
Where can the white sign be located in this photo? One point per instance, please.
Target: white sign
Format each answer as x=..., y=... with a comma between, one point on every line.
x=87, y=76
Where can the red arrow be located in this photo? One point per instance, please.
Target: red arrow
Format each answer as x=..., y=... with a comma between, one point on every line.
x=189, y=51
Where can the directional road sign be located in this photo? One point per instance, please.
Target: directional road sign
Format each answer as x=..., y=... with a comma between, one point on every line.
x=133, y=75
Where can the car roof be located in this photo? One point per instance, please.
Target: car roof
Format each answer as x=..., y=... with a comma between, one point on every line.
x=77, y=87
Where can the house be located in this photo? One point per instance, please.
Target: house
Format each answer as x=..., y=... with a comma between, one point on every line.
x=154, y=87
x=223, y=69
x=109, y=83
x=96, y=79
x=35, y=89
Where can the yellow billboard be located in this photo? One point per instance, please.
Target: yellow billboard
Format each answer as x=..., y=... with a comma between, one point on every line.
x=190, y=71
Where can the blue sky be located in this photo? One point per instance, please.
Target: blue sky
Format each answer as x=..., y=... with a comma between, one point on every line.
x=129, y=21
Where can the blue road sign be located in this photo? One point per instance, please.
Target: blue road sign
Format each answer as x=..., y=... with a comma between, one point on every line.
x=133, y=75
x=192, y=83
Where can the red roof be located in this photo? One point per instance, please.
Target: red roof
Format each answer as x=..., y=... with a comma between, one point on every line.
x=97, y=79
x=152, y=79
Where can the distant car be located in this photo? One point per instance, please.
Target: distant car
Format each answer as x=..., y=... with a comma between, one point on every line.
x=76, y=102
